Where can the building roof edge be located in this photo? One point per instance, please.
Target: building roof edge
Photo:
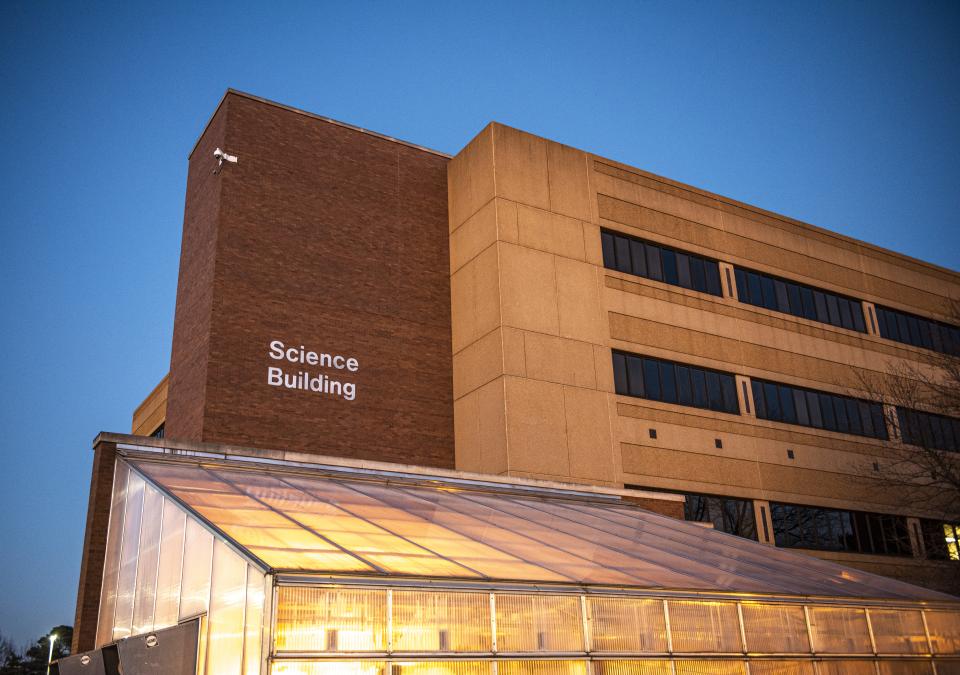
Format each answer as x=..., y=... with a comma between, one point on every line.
x=259, y=99
x=275, y=457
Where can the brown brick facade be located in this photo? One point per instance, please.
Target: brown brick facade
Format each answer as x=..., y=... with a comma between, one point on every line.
x=323, y=236
x=190, y=356
x=94, y=548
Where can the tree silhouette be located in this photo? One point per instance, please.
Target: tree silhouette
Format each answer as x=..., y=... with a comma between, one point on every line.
x=33, y=659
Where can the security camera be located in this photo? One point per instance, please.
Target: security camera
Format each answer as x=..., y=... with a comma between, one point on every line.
x=222, y=157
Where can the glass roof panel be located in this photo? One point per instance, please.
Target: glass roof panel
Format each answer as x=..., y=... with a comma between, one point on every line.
x=297, y=520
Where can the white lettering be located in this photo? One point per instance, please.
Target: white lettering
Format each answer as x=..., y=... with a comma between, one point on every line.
x=274, y=376
x=311, y=381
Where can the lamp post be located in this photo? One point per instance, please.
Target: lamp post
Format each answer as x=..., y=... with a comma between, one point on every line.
x=53, y=638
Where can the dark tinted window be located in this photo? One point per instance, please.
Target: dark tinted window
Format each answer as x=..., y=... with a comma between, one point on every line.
x=651, y=378
x=674, y=383
x=824, y=529
x=620, y=381
x=727, y=514
x=928, y=430
x=940, y=540
x=669, y=261
x=811, y=408
x=628, y=254
x=919, y=332
x=668, y=382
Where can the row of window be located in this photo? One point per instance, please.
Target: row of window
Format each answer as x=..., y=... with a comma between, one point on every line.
x=824, y=529
x=781, y=295
x=814, y=527
x=817, y=409
x=659, y=380
x=628, y=254
x=653, y=261
x=928, y=430
x=670, y=382
x=917, y=331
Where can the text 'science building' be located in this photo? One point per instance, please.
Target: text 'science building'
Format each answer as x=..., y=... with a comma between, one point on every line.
x=448, y=415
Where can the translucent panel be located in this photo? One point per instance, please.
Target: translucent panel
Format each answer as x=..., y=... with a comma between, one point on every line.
x=528, y=623
x=944, y=630
x=477, y=537
x=699, y=667
x=840, y=630
x=167, y=610
x=846, y=668
x=650, y=667
x=627, y=625
x=761, y=667
x=253, y=621
x=441, y=622
x=195, y=580
x=948, y=667
x=129, y=549
x=905, y=668
x=254, y=524
x=330, y=620
x=775, y=629
x=374, y=544
x=898, y=631
x=228, y=596
x=441, y=668
x=147, y=560
x=329, y=668
x=704, y=626
x=324, y=524
x=111, y=564
x=541, y=668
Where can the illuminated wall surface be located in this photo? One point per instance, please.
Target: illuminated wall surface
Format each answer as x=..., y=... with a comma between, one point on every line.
x=307, y=572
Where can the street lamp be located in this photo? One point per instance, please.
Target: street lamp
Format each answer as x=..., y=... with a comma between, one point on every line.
x=53, y=638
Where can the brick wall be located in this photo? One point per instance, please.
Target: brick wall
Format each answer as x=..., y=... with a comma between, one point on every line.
x=327, y=237
x=94, y=548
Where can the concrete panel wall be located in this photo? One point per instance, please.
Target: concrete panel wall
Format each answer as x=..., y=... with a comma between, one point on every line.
x=540, y=315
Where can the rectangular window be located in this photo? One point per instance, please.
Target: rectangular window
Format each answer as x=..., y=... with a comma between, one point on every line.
x=940, y=540
x=810, y=408
x=669, y=260
x=734, y=516
x=639, y=258
x=675, y=383
x=651, y=378
x=654, y=267
x=624, y=253
x=823, y=529
x=928, y=430
x=684, y=390
x=790, y=297
x=668, y=382
x=918, y=331
x=742, y=291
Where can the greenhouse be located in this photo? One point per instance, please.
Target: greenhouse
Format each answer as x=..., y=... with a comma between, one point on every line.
x=307, y=568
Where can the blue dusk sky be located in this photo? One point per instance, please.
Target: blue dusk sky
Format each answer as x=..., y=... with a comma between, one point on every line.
x=842, y=114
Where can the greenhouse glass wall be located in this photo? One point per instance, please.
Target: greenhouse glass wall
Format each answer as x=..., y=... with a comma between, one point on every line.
x=296, y=568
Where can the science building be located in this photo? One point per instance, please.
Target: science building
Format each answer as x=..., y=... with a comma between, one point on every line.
x=520, y=411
